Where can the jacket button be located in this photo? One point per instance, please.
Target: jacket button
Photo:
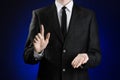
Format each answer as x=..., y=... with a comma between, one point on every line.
x=63, y=70
x=64, y=51
x=36, y=59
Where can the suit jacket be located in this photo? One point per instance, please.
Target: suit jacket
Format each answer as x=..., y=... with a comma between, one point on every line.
x=82, y=37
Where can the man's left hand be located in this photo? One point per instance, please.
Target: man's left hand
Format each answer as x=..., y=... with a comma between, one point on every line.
x=80, y=59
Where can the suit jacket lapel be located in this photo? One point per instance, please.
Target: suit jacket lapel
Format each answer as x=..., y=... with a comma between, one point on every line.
x=55, y=22
x=73, y=19
x=56, y=26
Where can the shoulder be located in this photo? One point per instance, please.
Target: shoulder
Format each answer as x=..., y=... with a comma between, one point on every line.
x=84, y=11
x=42, y=10
x=87, y=12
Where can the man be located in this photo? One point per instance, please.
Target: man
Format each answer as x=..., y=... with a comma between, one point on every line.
x=64, y=39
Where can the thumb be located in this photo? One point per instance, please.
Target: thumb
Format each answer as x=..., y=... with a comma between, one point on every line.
x=47, y=37
x=85, y=59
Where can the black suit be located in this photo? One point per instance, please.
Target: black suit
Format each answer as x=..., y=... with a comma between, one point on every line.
x=82, y=37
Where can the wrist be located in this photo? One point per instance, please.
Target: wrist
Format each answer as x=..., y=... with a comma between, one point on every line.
x=38, y=51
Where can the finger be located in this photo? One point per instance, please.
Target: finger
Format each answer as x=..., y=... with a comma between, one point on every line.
x=42, y=30
x=35, y=41
x=40, y=36
x=74, y=62
x=85, y=60
x=47, y=37
x=80, y=62
x=37, y=38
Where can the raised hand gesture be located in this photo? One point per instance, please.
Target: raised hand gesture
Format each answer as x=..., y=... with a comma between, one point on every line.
x=40, y=42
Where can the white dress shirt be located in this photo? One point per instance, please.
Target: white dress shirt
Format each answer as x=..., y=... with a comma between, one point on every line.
x=68, y=10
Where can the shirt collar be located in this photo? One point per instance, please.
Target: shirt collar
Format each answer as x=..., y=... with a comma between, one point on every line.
x=69, y=6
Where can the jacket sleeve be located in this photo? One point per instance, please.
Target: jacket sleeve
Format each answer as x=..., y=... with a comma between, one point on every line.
x=93, y=52
x=29, y=50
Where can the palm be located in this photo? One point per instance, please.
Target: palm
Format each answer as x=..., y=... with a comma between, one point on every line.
x=40, y=45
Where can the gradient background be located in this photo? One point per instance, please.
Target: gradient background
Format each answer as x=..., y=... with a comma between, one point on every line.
x=15, y=17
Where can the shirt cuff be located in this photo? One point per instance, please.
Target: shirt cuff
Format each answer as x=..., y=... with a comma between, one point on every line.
x=38, y=55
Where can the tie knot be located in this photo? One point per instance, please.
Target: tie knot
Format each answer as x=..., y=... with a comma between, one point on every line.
x=63, y=8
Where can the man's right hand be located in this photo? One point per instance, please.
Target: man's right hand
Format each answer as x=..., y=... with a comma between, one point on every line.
x=40, y=42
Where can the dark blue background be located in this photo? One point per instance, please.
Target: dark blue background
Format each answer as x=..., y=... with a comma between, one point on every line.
x=15, y=16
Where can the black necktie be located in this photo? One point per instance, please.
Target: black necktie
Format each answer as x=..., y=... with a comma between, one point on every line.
x=64, y=22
